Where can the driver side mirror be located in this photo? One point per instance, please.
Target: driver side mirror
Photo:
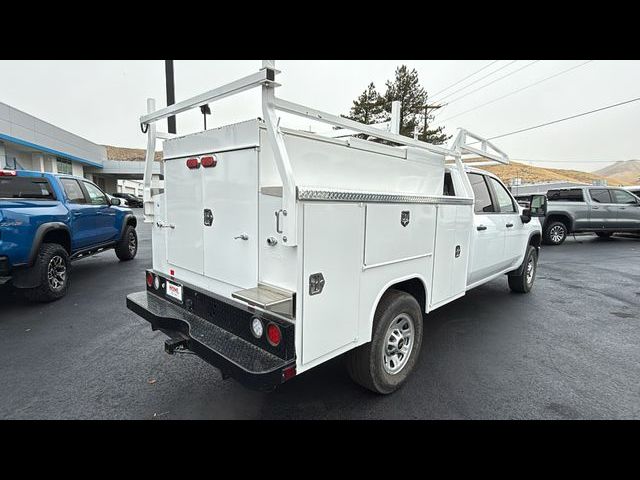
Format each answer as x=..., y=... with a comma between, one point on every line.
x=115, y=202
x=537, y=208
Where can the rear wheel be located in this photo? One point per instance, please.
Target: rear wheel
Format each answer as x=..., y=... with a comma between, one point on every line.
x=53, y=262
x=555, y=233
x=524, y=282
x=127, y=247
x=384, y=364
x=604, y=234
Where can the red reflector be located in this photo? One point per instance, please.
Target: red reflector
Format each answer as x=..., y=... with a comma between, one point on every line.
x=171, y=272
x=149, y=279
x=208, y=162
x=273, y=334
x=193, y=163
x=288, y=373
x=7, y=173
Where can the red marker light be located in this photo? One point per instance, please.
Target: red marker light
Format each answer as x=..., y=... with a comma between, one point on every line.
x=8, y=173
x=208, y=161
x=193, y=163
x=273, y=334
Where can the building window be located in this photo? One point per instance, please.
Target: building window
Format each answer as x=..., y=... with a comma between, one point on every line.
x=64, y=166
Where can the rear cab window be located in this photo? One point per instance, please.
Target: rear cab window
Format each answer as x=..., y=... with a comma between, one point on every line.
x=600, y=195
x=73, y=190
x=568, y=195
x=483, y=203
x=26, y=187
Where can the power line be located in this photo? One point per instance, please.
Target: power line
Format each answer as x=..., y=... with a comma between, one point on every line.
x=492, y=82
x=515, y=91
x=566, y=118
x=563, y=161
x=476, y=80
x=468, y=76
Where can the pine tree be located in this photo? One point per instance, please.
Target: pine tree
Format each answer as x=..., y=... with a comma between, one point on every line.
x=368, y=107
x=371, y=107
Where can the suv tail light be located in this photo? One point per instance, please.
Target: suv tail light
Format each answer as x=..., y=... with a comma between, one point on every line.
x=8, y=173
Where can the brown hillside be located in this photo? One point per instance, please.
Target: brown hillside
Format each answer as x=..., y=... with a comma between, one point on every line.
x=627, y=171
x=531, y=174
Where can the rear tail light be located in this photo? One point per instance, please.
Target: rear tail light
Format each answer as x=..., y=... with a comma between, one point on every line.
x=207, y=162
x=273, y=334
x=8, y=173
x=193, y=163
x=288, y=373
x=149, y=279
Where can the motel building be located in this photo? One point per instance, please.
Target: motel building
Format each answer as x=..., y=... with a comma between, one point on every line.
x=28, y=143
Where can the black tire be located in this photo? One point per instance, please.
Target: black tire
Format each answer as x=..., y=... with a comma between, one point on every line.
x=555, y=233
x=127, y=247
x=366, y=364
x=55, y=267
x=604, y=234
x=524, y=283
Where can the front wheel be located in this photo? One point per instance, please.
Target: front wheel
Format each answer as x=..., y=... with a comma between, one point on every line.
x=524, y=282
x=555, y=233
x=127, y=247
x=384, y=364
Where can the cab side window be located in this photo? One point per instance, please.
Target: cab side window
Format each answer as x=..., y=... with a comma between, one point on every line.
x=483, y=203
x=620, y=196
x=73, y=190
x=504, y=199
x=96, y=197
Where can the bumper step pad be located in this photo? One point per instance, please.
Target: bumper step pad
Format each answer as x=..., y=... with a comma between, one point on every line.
x=233, y=355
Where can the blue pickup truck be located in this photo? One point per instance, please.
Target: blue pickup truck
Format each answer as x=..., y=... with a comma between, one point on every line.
x=47, y=220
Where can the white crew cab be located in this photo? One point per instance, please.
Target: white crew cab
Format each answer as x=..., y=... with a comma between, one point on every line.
x=275, y=250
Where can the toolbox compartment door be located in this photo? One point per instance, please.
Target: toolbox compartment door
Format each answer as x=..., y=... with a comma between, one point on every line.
x=231, y=195
x=183, y=189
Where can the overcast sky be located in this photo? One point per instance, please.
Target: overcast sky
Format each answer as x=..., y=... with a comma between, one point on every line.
x=102, y=100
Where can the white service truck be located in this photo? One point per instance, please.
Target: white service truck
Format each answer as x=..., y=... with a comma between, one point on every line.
x=275, y=250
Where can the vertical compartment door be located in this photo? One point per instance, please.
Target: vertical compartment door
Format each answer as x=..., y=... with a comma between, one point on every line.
x=231, y=237
x=183, y=190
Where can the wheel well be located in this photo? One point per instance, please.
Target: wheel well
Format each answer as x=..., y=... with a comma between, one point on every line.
x=59, y=236
x=415, y=288
x=535, y=240
x=131, y=220
x=555, y=217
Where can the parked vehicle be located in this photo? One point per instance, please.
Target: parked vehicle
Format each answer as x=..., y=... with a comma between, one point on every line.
x=47, y=220
x=275, y=250
x=123, y=202
x=132, y=200
x=601, y=210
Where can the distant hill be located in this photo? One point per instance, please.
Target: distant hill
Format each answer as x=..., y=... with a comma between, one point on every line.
x=531, y=174
x=628, y=171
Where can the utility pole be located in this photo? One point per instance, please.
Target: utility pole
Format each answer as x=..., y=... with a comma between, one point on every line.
x=171, y=94
x=428, y=107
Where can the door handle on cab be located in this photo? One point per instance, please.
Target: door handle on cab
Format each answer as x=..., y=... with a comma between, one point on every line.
x=481, y=227
x=509, y=225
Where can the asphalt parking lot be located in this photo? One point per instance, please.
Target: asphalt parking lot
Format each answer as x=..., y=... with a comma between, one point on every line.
x=569, y=350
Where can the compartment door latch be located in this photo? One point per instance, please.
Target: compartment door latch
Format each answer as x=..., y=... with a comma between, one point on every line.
x=208, y=217
x=316, y=283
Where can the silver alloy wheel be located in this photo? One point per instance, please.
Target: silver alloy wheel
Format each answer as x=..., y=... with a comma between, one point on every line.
x=398, y=344
x=556, y=234
x=132, y=243
x=531, y=268
x=56, y=273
